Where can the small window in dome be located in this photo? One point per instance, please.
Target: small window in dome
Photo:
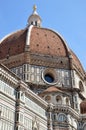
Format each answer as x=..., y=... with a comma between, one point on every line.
x=35, y=23
x=49, y=78
x=32, y=22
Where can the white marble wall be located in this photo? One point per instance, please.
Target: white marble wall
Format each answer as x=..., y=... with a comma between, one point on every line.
x=31, y=73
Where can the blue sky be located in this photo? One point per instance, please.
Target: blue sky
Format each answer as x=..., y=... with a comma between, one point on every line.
x=68, y=17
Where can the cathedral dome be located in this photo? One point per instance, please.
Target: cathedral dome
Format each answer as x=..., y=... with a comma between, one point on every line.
x=39, y=64
x=39, y=41
x=42, y=44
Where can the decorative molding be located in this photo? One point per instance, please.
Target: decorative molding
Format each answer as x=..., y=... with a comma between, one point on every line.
x=66, y=109
x=49, y=62
x=8, y=76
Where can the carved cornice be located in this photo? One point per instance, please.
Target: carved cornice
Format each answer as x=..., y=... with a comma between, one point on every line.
x=66, y=109
x=36, y=98
x=8, y=76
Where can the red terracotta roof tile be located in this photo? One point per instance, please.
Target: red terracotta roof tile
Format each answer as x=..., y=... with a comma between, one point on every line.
x=47, y=42
x=13, y=45
x=42, y=41
x=52, y=89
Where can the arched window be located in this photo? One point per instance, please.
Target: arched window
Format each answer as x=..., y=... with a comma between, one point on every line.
x=59, y=99
x=81, y=86
x=67, y=101
x=62, y=118
x=47, y=98
x=35, y=23
x=32, y=22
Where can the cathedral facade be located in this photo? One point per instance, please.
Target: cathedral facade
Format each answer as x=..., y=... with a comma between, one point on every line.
x=42, y=82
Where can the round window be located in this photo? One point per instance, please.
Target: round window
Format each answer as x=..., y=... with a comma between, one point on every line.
x=49, y=78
